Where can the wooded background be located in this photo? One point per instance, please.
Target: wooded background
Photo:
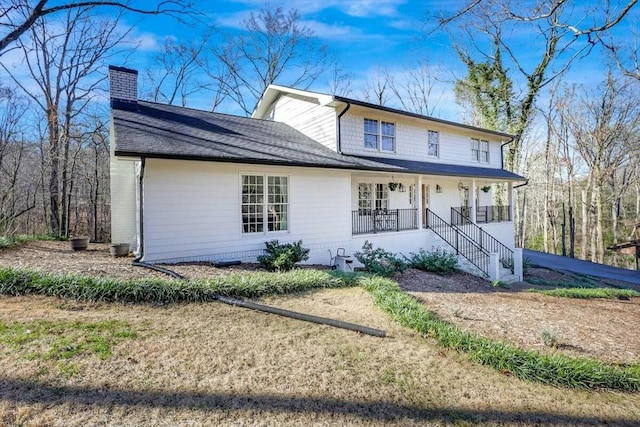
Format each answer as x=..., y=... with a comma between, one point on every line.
x=577, y=144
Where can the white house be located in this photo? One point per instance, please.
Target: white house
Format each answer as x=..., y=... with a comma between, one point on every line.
x=191, y=185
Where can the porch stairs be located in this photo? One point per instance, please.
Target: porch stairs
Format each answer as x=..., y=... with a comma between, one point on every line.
x=473, y=244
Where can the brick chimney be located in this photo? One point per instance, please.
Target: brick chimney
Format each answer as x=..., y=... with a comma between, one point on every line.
x=123, y=88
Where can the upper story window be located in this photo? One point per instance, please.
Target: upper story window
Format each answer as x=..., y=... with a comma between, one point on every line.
x=433, y=149
x=260, y=213
x=480, y=150
x=379, y=135
x=388, y=136
x=371, y=134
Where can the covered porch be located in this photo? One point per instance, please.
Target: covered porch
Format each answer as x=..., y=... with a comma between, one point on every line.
x=391, y=203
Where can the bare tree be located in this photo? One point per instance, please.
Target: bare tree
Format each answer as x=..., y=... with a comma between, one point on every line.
x=377, y=89
x=605, y=124
x=341, y=80
x=18, y=16
x=178, y=72
x=565, y=36
x=414, y=89
x=17, y=193
x=272, y=47
x=63, y=62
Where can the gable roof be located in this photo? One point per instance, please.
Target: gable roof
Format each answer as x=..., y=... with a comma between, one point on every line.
x=172, y=132
x=272, y=93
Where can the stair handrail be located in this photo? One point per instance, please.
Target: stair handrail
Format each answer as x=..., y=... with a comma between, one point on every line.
x=462, y=242
x=459, y=220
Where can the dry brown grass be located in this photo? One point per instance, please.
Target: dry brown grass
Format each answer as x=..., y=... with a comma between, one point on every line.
x=212, y=364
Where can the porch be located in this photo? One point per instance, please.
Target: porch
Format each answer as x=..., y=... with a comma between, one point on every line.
x=385, y=203
x=374, y=221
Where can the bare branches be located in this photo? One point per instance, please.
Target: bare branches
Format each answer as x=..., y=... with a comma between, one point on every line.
x=274, y=47
x=20, y=15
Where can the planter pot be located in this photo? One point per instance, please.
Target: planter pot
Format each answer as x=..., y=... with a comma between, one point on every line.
x=79, y=243
x=119, y=249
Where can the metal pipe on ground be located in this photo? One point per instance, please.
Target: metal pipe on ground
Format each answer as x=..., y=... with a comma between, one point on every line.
x=302, y=316
x=274, y=310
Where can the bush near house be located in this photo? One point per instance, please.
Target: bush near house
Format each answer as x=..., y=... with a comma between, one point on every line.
x=437, y=261
x=283, y=257
x=378, y=261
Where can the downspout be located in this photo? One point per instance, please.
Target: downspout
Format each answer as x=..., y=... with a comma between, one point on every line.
x=141, y=210
x=502, y=151
x=502, y=162
x=338, y=137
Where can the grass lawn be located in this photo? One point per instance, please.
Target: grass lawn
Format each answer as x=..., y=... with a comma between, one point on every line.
x=212, y=364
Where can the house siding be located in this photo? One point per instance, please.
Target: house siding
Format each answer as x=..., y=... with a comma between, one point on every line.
x=123, y=199
x=192, y=213
x=315, y=121
x=411, y=139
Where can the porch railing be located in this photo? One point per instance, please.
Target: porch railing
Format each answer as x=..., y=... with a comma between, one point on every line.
x=484, y=240
x=486, y=214
x=365, y=221
x=462, y=243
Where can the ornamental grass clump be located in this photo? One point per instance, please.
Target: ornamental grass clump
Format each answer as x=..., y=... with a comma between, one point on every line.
x=248, y=285
x=554, y=369
x=589, y=293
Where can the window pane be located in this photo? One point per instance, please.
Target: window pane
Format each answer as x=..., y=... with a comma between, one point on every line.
x=277, y=208
x=371, y=126
x=371, y=141
x=388, y=129
x=388, y=143
x=365, y=196
x=433, y=143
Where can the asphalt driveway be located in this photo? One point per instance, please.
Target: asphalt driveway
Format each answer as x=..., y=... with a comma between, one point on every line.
x=572, y=265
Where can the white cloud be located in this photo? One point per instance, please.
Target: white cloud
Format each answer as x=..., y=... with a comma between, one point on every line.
x=328, y=31
x=357, y=8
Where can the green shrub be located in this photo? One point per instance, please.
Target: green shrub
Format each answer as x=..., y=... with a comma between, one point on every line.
x=437, y=261
x=554, y=369
x=379, y=262
x=283, y=257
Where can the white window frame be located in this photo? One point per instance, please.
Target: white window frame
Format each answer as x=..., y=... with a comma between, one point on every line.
x=431, y=142
x=388, y=137
x=267, y=204
x=381, y=197
x=382, y=135
x=368, y=133
x=365, y=196
x=480, y=150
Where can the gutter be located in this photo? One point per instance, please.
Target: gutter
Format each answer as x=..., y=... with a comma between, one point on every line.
x=141, y=211
x=339, y=136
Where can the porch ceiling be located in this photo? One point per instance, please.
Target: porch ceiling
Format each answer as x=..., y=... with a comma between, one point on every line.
x=442, y=169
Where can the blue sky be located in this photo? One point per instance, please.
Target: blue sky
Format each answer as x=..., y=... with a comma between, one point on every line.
x=361, y=34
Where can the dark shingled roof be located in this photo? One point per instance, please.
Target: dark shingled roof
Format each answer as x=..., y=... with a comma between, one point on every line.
x=430, y=168
x=166, y=131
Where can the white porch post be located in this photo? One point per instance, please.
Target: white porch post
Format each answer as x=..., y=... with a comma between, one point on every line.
x=510, y=198
x=474, y=201
x=419, y=202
